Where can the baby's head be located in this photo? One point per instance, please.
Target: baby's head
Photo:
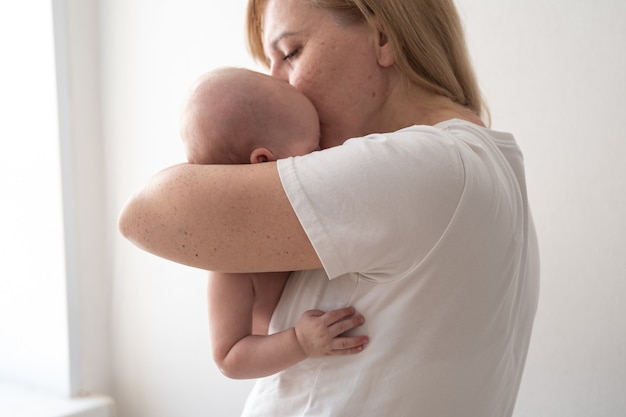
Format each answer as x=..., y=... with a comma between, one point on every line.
x=238, y=116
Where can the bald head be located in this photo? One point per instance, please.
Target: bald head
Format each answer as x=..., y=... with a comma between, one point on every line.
x=233, y=111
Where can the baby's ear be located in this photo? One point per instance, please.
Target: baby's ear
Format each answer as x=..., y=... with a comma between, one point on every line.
x=261, y=155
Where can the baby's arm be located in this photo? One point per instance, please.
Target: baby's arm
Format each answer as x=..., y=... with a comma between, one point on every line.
x=240, y=353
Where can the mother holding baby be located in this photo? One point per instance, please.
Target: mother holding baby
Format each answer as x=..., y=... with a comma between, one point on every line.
x=414, y=212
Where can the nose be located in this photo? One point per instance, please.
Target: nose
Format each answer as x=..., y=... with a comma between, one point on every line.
x=278, y=71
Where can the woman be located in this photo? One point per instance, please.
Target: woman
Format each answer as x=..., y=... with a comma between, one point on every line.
x=421, y=222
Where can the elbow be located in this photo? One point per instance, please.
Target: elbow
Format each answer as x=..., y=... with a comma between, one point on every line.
x=140, y=215
x=136, y=224
x=127, y=222
x=230, y=370
x=229, y=366
x=123, y=223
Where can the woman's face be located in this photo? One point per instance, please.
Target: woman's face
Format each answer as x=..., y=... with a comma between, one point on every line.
x=334, y=65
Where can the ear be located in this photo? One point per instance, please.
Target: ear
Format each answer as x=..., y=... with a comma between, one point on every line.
x=384, y=51
x=261, y=155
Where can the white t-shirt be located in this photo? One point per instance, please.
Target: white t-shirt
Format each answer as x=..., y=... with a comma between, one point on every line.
x=427, y=233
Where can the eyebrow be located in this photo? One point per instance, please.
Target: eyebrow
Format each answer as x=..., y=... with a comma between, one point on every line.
x=280, y=37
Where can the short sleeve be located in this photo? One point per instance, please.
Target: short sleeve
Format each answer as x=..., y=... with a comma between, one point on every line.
x=376, y=205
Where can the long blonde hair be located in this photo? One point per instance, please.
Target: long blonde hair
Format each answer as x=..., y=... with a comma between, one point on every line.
x=426, y=36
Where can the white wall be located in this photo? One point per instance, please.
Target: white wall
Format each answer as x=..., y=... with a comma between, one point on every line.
x=34, y=348
x=553, y=73
x=152, y=51
x=76, y=33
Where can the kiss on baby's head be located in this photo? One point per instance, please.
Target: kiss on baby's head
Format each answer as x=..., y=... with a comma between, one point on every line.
x=238, y=116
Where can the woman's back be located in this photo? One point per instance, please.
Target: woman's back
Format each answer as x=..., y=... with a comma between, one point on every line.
x=449, y=326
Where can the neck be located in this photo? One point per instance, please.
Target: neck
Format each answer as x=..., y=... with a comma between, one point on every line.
x=409, y=104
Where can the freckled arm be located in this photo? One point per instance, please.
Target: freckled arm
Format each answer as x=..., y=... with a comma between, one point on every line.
x=228, y=218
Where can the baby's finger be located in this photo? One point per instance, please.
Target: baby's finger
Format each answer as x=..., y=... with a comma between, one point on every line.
x=348, y=345
x=334, y=316
x=344, y=325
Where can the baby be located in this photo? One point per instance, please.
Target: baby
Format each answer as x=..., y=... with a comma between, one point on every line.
x=238, y=116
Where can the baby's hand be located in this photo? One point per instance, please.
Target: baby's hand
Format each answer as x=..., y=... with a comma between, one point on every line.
x=319, y=333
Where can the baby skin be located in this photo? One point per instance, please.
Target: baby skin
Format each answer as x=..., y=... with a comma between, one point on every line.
x=236, y=116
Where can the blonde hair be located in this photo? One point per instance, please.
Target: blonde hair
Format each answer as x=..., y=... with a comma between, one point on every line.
x=427, y=39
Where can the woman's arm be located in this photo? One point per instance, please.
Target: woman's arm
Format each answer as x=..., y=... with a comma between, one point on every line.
x=241, y=354
x=231, y=218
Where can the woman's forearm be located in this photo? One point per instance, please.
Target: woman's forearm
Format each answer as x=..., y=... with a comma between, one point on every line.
x=231, y=218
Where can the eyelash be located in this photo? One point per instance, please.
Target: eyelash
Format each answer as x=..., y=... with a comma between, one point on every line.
x=291, y=55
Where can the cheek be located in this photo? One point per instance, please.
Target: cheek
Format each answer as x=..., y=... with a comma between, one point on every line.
x=313, y=76
x=306, y=82
x=317, y=87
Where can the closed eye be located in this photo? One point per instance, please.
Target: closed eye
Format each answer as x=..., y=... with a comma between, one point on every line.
x=291, y=55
